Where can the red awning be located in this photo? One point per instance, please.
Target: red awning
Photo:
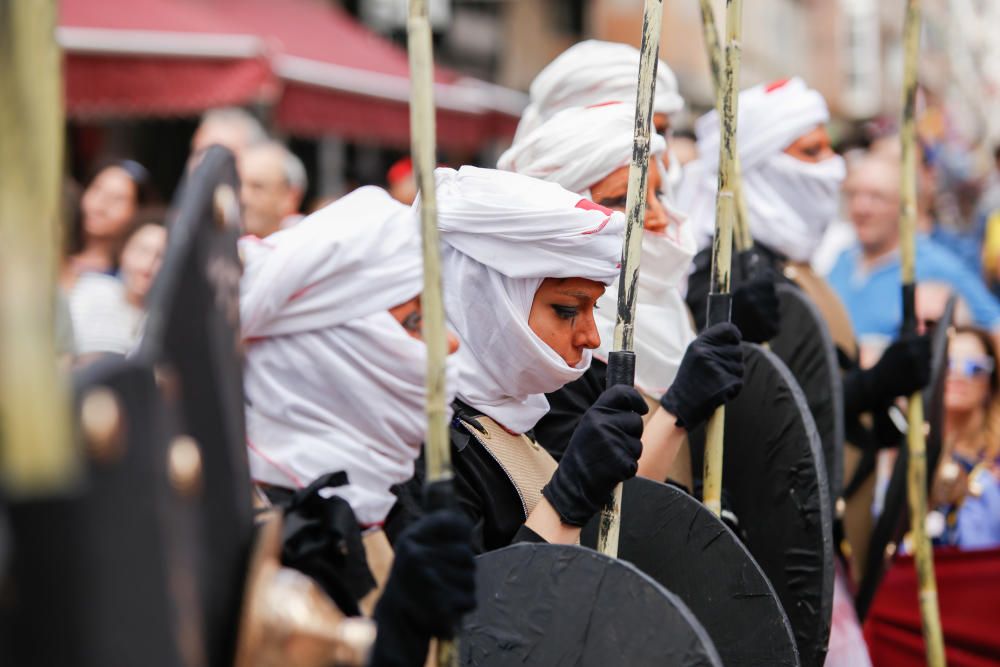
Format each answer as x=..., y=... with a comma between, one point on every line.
x=127, y=58
x=324, y=72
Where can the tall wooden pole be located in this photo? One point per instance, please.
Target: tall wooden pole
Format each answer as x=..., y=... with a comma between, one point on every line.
x=437, y=446
x=621, y=361
x=916, y=477
x=719, y=298
x=36, y=451
x=743, y=238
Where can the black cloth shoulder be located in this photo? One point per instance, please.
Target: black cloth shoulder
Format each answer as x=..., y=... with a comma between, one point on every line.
x=566, y=408
x=701, y=275
x=483, y=491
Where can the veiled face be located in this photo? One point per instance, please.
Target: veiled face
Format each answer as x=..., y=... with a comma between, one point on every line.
x=409, y=314
x=611, y=191
x=562, y=315
x=813, y=146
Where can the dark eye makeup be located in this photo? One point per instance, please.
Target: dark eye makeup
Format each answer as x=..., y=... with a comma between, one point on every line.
x=413, y=322
x=565, y=312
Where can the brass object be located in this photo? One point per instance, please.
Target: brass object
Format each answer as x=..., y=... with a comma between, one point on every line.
x=225, y=207
x=101, y=423
x=184, y=465
x=288, y=621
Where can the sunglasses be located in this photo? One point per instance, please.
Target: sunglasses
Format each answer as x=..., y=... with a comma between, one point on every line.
x=970, y=368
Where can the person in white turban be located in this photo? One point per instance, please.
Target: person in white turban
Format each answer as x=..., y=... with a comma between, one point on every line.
x=334, y=386
x=524, y=263
x=595, y=72
x=791, y=175
x=335, y=371
x=588, y=150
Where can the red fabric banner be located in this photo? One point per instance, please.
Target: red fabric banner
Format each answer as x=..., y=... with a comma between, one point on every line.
x=968, y=585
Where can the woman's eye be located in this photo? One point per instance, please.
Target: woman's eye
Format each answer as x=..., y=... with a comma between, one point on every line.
x=565, y=312
x=614, y=202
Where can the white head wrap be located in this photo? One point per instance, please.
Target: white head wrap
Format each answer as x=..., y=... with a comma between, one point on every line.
x=577, y=148
x=593, y=72
x=790, y=202
x=502, y=234
x=332, y=380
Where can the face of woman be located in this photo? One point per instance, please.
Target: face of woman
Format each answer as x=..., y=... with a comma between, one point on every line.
x=109, y=204
x=612, y=190
x=813, y=146
x=562, y=315
x=967, y=386
x=409, y=314
x=141, y=259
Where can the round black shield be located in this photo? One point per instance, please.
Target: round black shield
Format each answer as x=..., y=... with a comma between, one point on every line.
x=805, y=345
x=893, y=522
x=774, y=481
x=546, y=604
x=673, y=538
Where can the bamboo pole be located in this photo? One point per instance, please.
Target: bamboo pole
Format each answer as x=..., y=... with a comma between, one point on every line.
x=719, y=298
x=36, y=451
x=621, y=362
x=743, y=238
x=437, y=446
x=916, y=476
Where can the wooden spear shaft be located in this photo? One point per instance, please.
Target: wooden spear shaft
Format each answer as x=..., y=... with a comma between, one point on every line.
x=744, y=240
x=916, y=477
x=437, y=447
x=621, y=362
x=719, y=298
x=37, y=455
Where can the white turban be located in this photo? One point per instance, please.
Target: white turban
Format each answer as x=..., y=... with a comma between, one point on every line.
x=502, y=234
x=790, y=202
x=577, y=148
x=332, y=380
x=593, y=72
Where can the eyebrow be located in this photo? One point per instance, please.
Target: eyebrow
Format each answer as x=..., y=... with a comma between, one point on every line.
x=579, y=294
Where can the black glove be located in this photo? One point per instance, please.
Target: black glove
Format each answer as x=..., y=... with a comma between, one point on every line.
x=711, y=373
x=602, y=452
x=431, y=585
x=755, y=310
x=904, y=368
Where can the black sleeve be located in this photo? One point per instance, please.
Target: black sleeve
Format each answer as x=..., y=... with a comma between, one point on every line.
x=698, y=285
x=566, y=408
x=527, y=535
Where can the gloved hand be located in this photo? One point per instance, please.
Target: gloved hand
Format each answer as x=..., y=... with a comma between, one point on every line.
x=710, y=374
x=904, y=368
x=755, y=309
x=431, y=585
x=603, y=451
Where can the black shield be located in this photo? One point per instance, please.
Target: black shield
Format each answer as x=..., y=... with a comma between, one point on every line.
x=546, y=604
x=192, y=333
x=673, y=538
x=893, y=522
x=805, y=345
x=774, y=480
x=101, y=574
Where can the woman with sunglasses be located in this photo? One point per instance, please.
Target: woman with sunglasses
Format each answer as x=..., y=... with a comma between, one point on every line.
x=971, y=440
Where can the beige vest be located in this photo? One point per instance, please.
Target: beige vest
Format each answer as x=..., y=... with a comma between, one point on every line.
x=526, y=463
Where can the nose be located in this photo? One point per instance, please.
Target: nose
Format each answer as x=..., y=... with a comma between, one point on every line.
x=586, y=334
x=452, y=343
x=656, y=216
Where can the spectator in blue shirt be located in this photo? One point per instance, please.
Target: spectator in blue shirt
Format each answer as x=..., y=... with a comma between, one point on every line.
x=867, y=275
